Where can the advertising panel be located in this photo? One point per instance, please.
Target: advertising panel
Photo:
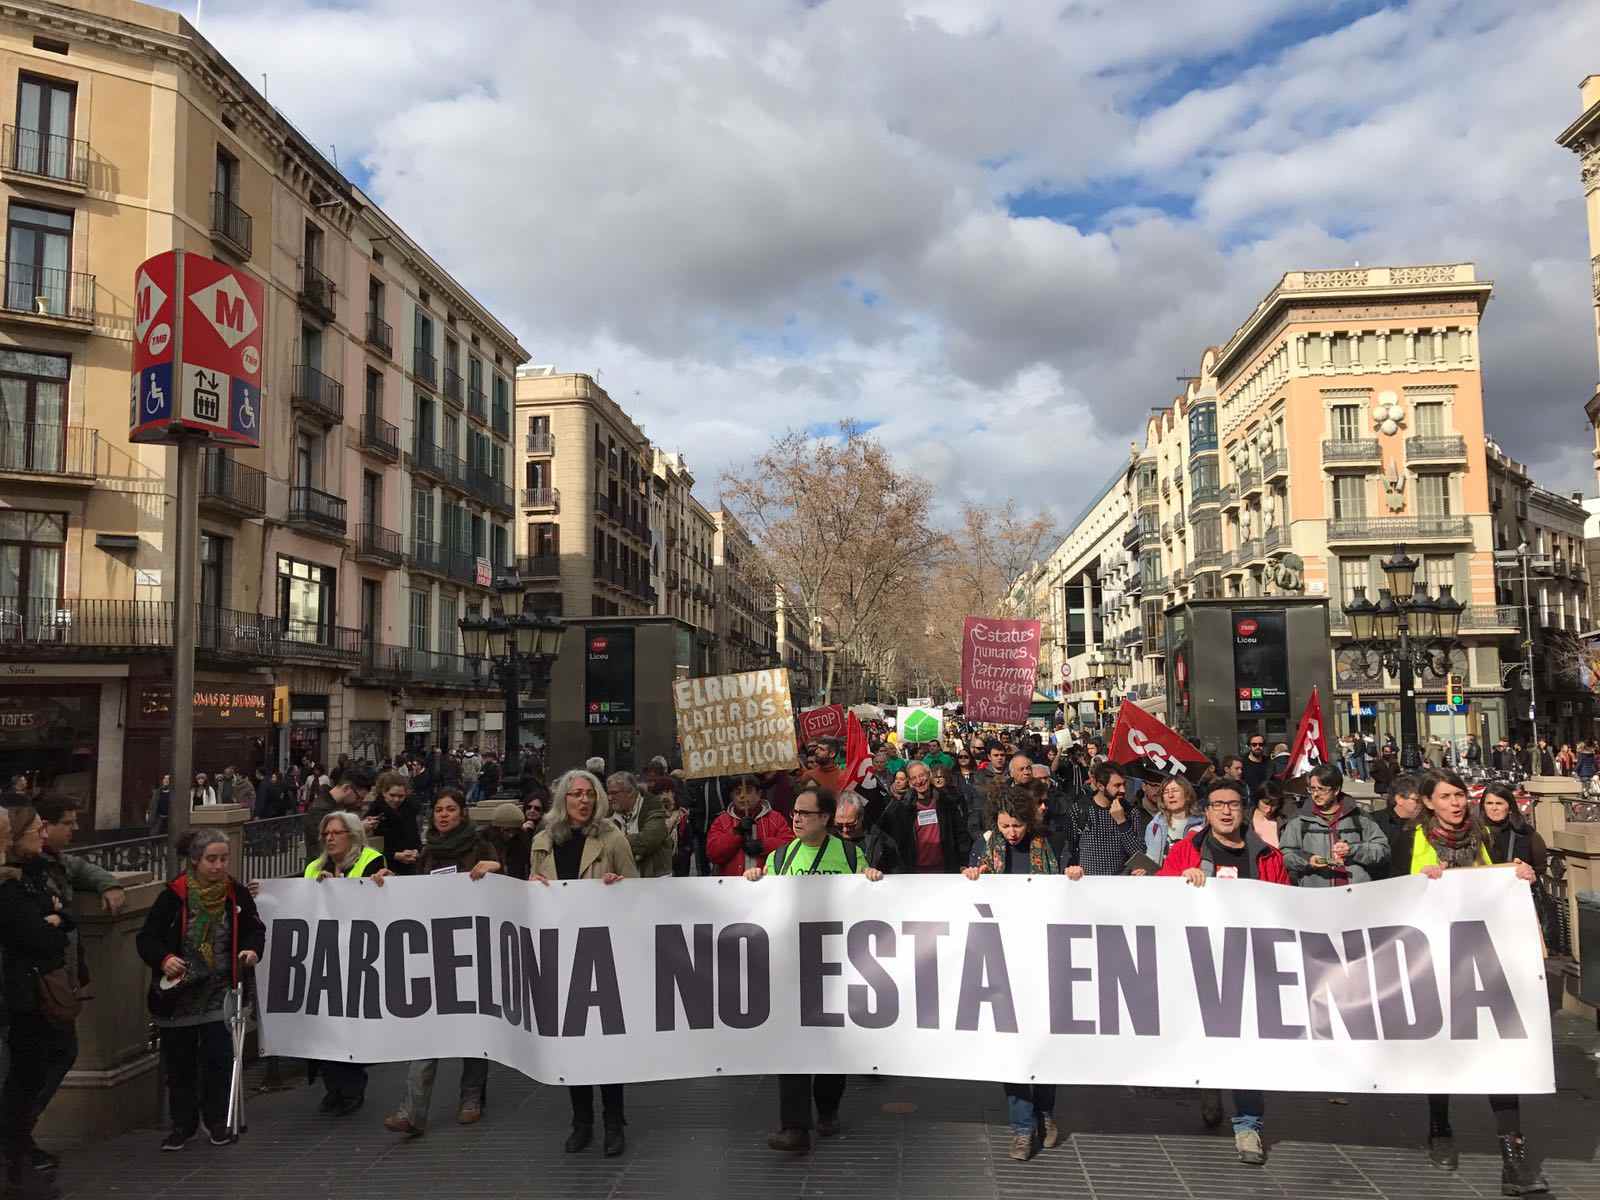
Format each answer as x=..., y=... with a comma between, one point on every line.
x=1261, y=661
x=608, y=675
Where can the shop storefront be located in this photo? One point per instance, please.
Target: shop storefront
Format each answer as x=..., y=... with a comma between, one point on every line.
x=308, y=728
x=419, y=731
x=232, y=728
x=51, y=733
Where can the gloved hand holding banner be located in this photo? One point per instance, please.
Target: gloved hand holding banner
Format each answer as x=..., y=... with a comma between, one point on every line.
x=1409, y=985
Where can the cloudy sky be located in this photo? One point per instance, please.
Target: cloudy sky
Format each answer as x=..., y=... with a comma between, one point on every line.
x=996, y=230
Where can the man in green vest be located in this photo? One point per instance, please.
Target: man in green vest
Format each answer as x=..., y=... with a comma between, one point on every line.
x=816, y=850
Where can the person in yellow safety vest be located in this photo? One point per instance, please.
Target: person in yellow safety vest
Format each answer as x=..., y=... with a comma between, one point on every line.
x=1450, y=836
x=345, y=853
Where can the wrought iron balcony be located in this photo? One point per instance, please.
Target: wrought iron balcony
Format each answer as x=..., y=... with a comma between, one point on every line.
x=477, y=404
x=1274, y=538
x=1435, y=449
x=427, y=556
x=540, y=443
x=542, y=498
x=1387, y=530
x=46, y=628
x=376, y=544
x=1202, y=497
x=66, y=453
x=1274, y=463
x=424, y=366
x=1249, y=481
x=318, y=395
x=228, y=484
x=49, y=293
x=1249, y=550
x=380, y=335
x=539, y=566
x=379, y=438
x=1205, y=560
x=50, y=157
x=1347, y=450
x=321, y=641
x=435, y=461
x=1475, y=617
x=500, y=419
x=317, y=509
x=452, y=386
x=318, y=292
x=461, y=565
x=231, y=225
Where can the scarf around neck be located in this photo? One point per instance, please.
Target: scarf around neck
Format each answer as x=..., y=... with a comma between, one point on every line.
x=451, y=846
x=1456, y=847
x=207, y=903
x=1041, y=858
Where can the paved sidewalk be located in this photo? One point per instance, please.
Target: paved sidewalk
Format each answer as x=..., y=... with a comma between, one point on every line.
x=908, y=1138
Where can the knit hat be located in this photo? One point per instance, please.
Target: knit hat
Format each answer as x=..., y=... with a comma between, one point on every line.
x=506, y=816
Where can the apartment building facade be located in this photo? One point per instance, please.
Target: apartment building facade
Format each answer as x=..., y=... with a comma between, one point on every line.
x=586, y=499
x=684, y=536
x=134, y=136
x=1582, y=137
x=747, y=629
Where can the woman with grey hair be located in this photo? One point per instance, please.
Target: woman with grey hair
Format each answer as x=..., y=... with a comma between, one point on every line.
x=579, y=841
x=200, y=935
x=345, y=853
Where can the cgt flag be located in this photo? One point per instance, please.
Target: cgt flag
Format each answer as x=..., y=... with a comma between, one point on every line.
x=1310, y=740
x=1143, y=744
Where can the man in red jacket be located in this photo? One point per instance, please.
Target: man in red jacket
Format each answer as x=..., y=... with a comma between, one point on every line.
x=747, y=831
x=1227, y=848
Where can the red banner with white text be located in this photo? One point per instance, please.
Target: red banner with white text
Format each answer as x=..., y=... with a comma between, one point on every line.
x=999, y=667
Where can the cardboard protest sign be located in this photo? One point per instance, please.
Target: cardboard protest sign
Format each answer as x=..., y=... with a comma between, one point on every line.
x=999, y=666
x=731, y=724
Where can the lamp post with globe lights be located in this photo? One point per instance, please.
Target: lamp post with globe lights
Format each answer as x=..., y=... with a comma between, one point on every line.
x=1405, y=633
x=515, y=648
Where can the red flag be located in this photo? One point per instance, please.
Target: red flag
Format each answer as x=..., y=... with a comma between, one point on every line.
x=1310, y=740
x=1145, y=745
x=857, y=753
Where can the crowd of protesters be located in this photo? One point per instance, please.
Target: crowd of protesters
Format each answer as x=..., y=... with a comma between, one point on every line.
x=984, y=803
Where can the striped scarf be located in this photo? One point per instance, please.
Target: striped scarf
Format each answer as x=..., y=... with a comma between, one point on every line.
x=1041, y=858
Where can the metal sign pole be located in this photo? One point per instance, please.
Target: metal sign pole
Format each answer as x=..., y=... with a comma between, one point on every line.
x=185, y=607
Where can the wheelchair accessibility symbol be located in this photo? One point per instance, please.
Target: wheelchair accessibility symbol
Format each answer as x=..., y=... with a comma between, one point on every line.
x=247, y=414
x=155, y=400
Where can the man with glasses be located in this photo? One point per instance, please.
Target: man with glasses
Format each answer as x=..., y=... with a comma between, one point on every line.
x=871, y=842
x=815, y=851
x=1335, y=843
x=347, y=792
x=1257, y=766
x=1227, y=848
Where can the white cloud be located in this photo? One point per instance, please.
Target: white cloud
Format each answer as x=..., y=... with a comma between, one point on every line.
x=777, y=213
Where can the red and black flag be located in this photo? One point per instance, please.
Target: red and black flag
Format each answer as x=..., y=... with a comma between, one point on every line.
x=1148, y=749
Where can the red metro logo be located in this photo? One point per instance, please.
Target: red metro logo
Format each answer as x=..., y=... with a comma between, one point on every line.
x=597, y=645
x=1247, y=627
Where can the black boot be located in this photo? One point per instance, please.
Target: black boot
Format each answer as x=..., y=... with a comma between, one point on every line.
x=1442, y=1151
x=579, y=1138
x=615, y=1142
x=1518, y=1176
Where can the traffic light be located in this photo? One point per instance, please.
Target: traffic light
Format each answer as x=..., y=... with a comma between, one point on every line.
x=1452, y=689
x=280, y=704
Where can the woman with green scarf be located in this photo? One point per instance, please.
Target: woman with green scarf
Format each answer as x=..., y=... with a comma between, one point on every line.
x=453, y=845
x=201, y=934
x=1016, y=845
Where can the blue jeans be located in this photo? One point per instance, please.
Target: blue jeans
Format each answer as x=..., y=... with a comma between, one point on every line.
x=1028, y=1104
x=1248, y=1110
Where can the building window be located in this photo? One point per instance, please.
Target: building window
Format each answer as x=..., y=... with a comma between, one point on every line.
x=1354, y=573
x=1429, y=419
x=1439, y=570
x=479, y=542
x=44, y=128
x=422, y=419
x=227, y=176
x=307, y=459
x=1424, y=344
x=450, y=435
x=32, y=558
x=1433, y=495
x=311, y=246
x=544, y=539
x=306, y=594
x=500, y=552
x=1346, y=420
x=1341, y=350
x=374, y=393
x=419, y=618
x=375, y=296
x=213, y=572
x=33, y=411
x=38, y=260
x=1349, y=497
x=422, y=516
x=448, y=606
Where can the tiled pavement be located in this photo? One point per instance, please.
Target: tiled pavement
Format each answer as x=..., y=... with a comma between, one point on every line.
x=903, y=1138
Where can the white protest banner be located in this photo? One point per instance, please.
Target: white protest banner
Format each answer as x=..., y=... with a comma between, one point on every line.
x=1409, y=985
x=733, y=724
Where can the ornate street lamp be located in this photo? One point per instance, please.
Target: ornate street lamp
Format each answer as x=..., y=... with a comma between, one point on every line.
x=515, y=648
x=1406, y=633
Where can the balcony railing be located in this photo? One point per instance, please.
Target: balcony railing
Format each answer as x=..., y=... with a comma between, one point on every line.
x=49, y=292
x=427, y=556
x=1338, y=450
x=320, y=640
x=48, y=450
x=1274, y=463
x=309, y=506
x=541, y=498
x=1249, y=481
x=424, y=366
x=320, y=395
x=32, y=626
x=1249, y=550
x=227, y=483
x=488, y=489
x=452, y=385
x=1393, y=529
x=1274, y=539
x=231, y=225
x=380, y=335
x=1230, y=495
x=1200, y=497
x=51, y=156
x=317, y=291
x=1435, y=448
x=379, y=437
x=539, y=566
x=540, y=443
x=461, y=566
x=1204, y=560
x=1474, y=616
x=437, y=462
x=377, y=544
x=477, y=404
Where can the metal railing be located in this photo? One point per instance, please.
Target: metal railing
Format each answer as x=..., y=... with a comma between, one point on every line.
x=317, y=290
x=1474, y=616
x=540, y=443
x=477, y=404
x=232, y=224
x=1249, y=481
x=1349, y=449
x=488, y=489
x=452, y=385
x=319, y=394
x=47, y=624
x=539, y=566
x=49, y=292
x=1202, y=496
x=1391, y=529
x=133, y=854
x=377, y=435
x=427, y=556
x=380, y=334
x=230, y=483
x=1249, y=550
x=541, y=498
x=31, y=448
x=500, y=419
x=275, y=848
x=376, y=542
x=317, y=507
x=441, y=464
x=318, y=639
x=45, y=155
x=1435, y=448
x=461, y=565
x=1272, y=539
x=1274, y=462
x=424, y=366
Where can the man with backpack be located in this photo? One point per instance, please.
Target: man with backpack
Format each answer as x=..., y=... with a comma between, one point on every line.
x=816, y=850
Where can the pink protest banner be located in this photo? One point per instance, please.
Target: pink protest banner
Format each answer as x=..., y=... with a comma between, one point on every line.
x=999, y=664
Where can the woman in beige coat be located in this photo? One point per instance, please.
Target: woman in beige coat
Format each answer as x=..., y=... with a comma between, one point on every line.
x=580, y=841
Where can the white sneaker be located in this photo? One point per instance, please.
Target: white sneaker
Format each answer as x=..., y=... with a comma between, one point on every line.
x=1248, y=1143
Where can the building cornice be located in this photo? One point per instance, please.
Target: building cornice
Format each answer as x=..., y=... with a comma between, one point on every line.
x=1576, y=136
